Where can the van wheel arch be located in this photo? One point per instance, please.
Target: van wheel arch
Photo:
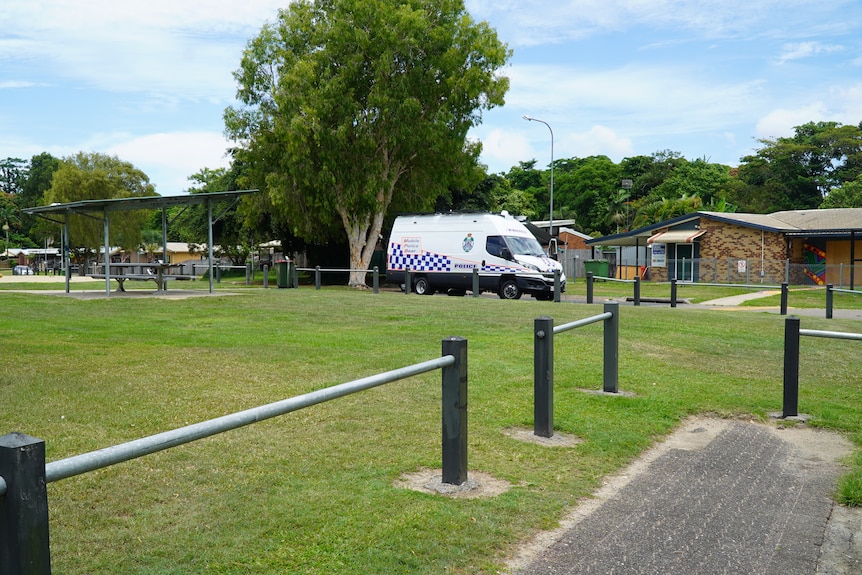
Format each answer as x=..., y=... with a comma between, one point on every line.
x=509, y=289
x=422, y=286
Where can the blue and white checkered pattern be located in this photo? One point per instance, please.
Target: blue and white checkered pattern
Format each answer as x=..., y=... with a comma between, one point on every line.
x=501, y=269
x=426, y=261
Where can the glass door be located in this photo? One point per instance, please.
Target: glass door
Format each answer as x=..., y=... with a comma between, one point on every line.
x=685, y=262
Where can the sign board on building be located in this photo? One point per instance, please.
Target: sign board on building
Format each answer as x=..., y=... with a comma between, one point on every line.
x=658, y=259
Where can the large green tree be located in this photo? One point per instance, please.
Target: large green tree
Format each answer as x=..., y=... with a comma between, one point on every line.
x=848, y=195
x=351, y=106
x=798, y=172
x=97, y=176
x=13, y=173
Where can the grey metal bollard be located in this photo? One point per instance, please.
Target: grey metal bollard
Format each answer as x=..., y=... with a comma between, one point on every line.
x=455, y=412
x=791, y=367
x=557, y=286
x=316, y=277
x=543, y=376
x=265, y=276
x=784, y=293
x=248, y=273
x=637, y=291
x=375, y=281
x=829, y=301
x=673, y=293
x=408, y=281
x=612, y=348
x=475, y=282
x=589, y=287
x=24, y=542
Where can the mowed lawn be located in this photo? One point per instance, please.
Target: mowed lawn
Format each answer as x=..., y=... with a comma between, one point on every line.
x=315, y=491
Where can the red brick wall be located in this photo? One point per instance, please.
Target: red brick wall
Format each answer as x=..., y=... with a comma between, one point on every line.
x=729, y=241
x=723, y=241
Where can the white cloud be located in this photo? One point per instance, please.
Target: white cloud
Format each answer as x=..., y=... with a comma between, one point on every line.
x=502, y=149
x=599, y=141
x=640, y=99
x=779, y=123
x=847, y=103
x=800, y=50
x=186, y=48
x=15, y=84
x=837, y=104
x=170, y=158
x=534, y=22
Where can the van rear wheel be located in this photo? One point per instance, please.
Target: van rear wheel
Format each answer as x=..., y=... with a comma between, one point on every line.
x=509, y=290
x=422, y=287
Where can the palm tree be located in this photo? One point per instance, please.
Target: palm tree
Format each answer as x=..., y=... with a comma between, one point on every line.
x=618, y=208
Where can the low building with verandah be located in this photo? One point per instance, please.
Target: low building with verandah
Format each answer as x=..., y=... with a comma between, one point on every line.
x=815, y=247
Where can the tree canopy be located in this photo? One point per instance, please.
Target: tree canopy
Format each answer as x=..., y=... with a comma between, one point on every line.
x=350, y=107
x=94, y=176
x=799, y=172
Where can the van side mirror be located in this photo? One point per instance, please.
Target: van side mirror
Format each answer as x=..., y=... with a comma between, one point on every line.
x=506, y=254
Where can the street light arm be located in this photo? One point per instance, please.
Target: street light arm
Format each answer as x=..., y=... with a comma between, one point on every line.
x=551, y=219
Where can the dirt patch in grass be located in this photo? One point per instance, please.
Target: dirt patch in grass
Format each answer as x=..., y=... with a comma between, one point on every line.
x=556, y=440
x=478, y=484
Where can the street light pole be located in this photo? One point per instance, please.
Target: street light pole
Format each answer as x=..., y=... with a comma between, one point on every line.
x=551, y=214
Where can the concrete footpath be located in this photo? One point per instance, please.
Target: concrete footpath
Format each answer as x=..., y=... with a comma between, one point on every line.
x=718, y=497
x=734, y=303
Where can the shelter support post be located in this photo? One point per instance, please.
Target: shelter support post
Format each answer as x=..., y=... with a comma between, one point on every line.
x=210, y=241
x=107, y=259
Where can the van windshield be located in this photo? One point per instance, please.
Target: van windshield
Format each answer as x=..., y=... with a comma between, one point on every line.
x=524, y=246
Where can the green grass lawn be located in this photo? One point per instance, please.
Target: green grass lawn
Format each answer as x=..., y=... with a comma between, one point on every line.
x=313, y=491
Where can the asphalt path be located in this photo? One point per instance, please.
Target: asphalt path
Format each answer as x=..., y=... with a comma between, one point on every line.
x=719, y=497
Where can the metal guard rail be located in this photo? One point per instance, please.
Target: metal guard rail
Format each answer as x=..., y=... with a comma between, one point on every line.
x=108, y=456
x=86, y=462
x=792, y=334
x=319, y=270
x=583, y=322
x=543, y=362
x=830, y=292
x=831, y=334
x=24, y=474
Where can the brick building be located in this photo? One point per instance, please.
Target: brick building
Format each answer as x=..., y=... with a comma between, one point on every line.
x=799, y=247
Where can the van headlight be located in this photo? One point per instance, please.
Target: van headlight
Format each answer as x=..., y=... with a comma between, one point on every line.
x=530, y=266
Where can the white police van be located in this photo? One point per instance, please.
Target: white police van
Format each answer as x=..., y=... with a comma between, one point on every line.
x=441, y=251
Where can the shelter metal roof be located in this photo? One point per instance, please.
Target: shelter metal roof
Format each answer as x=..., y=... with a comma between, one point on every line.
x=105, y=206
x=136, y=203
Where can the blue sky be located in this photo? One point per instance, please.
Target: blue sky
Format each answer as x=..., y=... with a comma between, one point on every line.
x=148, y=81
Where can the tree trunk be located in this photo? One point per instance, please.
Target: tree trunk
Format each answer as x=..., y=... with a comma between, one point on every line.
x=362, y=234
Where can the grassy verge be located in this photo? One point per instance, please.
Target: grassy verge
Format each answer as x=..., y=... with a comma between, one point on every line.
x=312, y=492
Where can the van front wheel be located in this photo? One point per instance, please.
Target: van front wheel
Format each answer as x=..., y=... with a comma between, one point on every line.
x=509, y=290
x=422, y=287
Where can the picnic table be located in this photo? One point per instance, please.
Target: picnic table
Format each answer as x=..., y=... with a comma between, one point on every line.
x=158, y=272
